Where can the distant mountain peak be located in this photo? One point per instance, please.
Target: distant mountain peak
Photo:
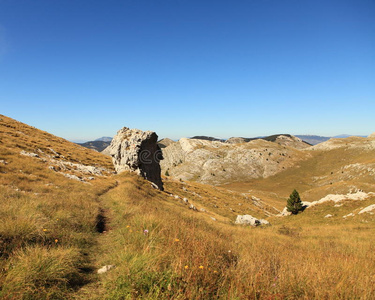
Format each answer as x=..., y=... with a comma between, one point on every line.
x=104, y=139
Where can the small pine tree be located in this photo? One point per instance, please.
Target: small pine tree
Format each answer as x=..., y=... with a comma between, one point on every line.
x=294, y=204
x=166, y=173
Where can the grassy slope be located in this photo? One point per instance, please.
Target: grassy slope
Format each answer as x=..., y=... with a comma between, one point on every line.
x=187, y=255
x=314, y=178
x=48, y=222
x=50, y=246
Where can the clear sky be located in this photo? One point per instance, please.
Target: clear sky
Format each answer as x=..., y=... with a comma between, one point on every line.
x=84, y=69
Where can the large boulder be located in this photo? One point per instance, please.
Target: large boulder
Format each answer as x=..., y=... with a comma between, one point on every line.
x=137, y=151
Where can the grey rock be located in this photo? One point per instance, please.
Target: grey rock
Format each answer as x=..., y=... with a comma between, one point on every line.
x=247, y=220
x=137, y=151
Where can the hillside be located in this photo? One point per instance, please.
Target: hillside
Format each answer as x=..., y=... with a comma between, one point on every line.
x=96, y=145
x=215, y=162
x=66, y=215
x=337, y=166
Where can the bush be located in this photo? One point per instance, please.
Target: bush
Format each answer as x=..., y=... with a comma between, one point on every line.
x=294, y=203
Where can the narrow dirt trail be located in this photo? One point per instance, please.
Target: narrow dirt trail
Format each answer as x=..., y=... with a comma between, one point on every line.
x=93, y=288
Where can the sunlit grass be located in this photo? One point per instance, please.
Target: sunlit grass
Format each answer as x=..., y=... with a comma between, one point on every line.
x=50, y=247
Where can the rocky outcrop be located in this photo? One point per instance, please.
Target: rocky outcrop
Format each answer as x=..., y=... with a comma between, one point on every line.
x=372, y=135
x=165, y=142
x=216, y=162
x=237, y=140
x=367, y=209
x=291, y=141
x=137, y=151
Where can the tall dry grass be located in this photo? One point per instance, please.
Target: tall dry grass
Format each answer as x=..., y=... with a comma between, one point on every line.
x=186, y=255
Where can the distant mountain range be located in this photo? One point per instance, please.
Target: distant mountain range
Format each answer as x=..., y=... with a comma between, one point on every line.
x=96, y=145
x=101, y=143
x=310, y=139
x=104, y=139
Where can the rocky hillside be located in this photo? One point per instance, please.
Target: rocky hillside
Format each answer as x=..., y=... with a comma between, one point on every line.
x=165, y=142
x=216, y=162
x=96, y=145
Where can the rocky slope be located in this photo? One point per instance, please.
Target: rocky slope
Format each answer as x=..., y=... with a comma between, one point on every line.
x=354, y=142
x=96, y=145
x=165, y=142
x=216, y=162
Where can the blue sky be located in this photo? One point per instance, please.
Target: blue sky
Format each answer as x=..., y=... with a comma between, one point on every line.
x=84, y=69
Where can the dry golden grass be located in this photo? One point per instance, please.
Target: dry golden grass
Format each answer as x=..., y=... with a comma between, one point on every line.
x=186, y=255
x=323, y=173
x=50, y=247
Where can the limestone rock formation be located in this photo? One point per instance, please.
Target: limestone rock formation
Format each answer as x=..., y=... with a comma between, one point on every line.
x=215, y=162
x=137, y=151
x=236, y=140
x=165, y=142
x=372, y=135
x=291, y=141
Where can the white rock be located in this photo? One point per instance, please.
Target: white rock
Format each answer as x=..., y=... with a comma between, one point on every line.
x=192, y=207
x=264, y=222
x=358, y=196
x=247, y=220
x=349, y=215
x=30, y=154
x=70, y=176
x=284, y=213
x=328, y=216
x=105, y=269
x=367, y=209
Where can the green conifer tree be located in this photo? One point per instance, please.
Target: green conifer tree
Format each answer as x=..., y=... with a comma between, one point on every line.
x=294, y=204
